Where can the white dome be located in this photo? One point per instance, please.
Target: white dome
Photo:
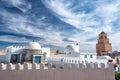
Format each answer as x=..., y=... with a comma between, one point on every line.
x=72, y=48
x=33, y=45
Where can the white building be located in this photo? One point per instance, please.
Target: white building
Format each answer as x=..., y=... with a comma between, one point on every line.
x=32, y=52
x=72, y=54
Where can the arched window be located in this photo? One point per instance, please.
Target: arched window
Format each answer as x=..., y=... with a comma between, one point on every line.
x=91, y=56
x=85, y=56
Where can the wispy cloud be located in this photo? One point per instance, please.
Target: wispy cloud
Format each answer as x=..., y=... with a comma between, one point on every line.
x=20, y=24
x=115, y=40
x=23, y=5
x=86, y=19
x=101, y=16
x=13, y=39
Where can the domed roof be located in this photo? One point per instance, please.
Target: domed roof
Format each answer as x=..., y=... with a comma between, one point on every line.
x=33, y=45
x=73, y=48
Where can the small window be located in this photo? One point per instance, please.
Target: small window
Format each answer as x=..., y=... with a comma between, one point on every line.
x=91, y=56
x=85, y=56
x=69, y=52
x=62, y=60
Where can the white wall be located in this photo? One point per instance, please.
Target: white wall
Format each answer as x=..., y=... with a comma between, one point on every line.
x=46, y=50
x=8, y=55
x=2, y=58
x=12, y=50
x=38, y=72
x=88, y=58
x=71, y=59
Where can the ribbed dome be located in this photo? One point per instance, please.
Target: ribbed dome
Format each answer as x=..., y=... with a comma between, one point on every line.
x=72, y=48
x=33, y=45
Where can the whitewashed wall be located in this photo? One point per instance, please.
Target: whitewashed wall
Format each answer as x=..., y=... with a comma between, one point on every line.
x=88, y=58
x=88, y=72
x=12, y=50
x=2, y=58
x=46, y=50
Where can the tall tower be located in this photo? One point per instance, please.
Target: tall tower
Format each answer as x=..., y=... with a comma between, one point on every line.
x=103, y=46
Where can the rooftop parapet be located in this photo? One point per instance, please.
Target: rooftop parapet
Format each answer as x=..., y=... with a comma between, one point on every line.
x=18, y=47
x=87, y=66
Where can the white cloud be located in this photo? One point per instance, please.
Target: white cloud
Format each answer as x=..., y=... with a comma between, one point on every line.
x=115, y=40
x=91, y=25
x=99, y=19
x=19, y=24
x=23, y=5
x=79, y=20
x=106, y=11
x=13, y=39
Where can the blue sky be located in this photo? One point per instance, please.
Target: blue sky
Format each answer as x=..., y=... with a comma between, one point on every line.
x=56, y=23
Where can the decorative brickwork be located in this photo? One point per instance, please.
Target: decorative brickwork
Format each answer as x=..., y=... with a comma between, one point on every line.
x=103, y=46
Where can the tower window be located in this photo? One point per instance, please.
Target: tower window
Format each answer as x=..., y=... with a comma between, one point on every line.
x=85, y=56
x=91, y=56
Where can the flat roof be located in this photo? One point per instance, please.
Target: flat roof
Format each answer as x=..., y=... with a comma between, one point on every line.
x=82, y=53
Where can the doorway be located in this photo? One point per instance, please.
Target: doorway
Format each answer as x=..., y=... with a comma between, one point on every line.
x=15, y=58
x=37, y=59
